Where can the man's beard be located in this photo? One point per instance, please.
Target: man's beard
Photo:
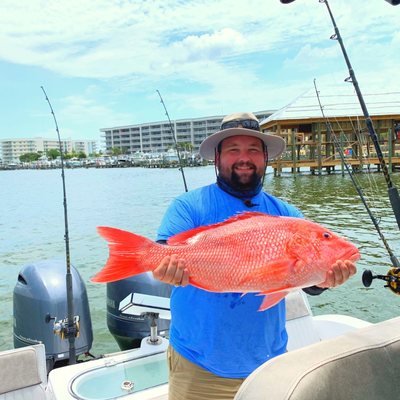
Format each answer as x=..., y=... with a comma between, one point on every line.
x=235, y=180
x=252, y=183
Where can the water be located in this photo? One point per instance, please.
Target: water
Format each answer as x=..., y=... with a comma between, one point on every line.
x=32, y=229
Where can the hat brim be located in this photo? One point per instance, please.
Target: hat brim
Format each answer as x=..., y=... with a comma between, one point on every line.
x=275, y=144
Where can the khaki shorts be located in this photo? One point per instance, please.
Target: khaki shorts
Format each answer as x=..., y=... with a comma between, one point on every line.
x=187, y=381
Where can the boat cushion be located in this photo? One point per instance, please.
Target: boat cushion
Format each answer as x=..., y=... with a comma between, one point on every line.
x=20, y=369
x=360, y=365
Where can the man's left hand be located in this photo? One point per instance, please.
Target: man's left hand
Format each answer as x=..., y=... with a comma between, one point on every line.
x=338, y=274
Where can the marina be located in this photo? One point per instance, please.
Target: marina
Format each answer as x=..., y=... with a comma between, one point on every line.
x=65, y=327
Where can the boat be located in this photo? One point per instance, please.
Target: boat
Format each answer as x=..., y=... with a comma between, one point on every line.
x=329, y=356
x=320, y=342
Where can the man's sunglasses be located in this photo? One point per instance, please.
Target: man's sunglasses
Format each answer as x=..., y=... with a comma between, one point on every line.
x=244, y=123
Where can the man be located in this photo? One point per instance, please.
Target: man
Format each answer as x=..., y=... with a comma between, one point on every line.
x=218, y=339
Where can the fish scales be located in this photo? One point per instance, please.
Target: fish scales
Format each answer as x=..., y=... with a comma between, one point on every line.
x=250, y=252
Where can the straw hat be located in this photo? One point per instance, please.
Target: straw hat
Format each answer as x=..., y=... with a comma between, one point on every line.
x=245, y=124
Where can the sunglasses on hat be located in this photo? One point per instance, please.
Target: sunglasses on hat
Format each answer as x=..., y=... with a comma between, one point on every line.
x=244, y=123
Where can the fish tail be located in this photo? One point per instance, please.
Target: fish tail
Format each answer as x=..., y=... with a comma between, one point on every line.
x=127, y=255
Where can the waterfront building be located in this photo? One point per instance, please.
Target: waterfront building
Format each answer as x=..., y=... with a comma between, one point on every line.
x=12, y=149
x=314, y=142
x=156, y=137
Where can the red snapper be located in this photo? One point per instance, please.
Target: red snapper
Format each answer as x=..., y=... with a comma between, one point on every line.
x=250, y=252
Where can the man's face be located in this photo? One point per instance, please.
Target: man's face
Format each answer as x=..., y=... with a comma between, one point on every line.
x=241, y=161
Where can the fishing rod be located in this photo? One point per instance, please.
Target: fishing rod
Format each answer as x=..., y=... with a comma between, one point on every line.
x=66, y=328
x=173, y=133
x=392, y=190
x=393, y=276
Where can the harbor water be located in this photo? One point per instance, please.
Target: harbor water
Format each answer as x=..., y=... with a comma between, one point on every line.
x=32, y=229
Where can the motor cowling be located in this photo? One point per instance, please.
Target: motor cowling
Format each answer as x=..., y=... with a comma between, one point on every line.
x=40, y=308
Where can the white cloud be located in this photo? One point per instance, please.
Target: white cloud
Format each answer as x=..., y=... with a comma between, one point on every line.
x=312, y=58
x=80, y=109
x=209, y=46
x=105, y=39
x=209, y=57
x=116, y=38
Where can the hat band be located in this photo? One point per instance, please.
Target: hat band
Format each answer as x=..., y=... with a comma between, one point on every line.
x=242, y=123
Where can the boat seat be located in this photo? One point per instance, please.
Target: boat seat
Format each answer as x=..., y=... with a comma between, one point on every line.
x=23, y=374
x=299, y=321
x=360, y=365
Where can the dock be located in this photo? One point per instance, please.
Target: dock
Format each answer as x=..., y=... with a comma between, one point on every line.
x=331, y=165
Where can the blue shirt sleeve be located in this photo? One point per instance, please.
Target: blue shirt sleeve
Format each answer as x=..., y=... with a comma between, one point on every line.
x=178, y=218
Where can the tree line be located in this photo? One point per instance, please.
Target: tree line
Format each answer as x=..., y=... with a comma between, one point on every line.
x=53, y=154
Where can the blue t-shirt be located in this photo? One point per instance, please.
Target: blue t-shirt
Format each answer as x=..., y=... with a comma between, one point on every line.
x=222, y=332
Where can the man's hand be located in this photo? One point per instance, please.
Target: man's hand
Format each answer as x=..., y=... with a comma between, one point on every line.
x=338, y=274
x=172, y=270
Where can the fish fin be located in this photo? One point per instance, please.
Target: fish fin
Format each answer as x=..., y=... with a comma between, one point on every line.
x=126, y=251
x=184, y=237
x=278, y=270
x=271, y=299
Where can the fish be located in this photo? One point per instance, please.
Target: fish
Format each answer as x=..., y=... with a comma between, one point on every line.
x=251, y=252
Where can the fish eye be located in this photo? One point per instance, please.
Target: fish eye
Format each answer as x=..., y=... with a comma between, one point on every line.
x=326, y=235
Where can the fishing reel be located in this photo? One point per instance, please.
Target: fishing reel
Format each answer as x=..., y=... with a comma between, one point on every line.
x=61, y=328
x=392, y=278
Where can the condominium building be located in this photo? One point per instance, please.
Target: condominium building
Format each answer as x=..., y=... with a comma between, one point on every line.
x=12, y=149
x=156, y=137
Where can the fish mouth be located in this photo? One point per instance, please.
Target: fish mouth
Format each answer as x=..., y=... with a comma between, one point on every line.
x=353, y=255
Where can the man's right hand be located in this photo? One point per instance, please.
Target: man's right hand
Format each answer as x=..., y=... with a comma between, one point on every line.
x=172, y=270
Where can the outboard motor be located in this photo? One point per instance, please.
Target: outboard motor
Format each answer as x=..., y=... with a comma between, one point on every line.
x=129, y=329
x=40, y=308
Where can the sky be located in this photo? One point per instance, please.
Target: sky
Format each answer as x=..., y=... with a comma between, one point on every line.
x=101, y=62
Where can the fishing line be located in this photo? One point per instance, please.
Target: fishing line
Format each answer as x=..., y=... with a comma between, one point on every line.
x=392, y=190
x=371, y=195
x=358, y=188
x=70, y=330
x=173, y=133
x=363, y=141
x=371, y=179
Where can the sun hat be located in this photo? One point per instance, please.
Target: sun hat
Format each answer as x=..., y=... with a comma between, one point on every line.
x=245, y=124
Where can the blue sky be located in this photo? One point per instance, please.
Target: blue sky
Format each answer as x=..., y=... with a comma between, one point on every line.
x=102, y=61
